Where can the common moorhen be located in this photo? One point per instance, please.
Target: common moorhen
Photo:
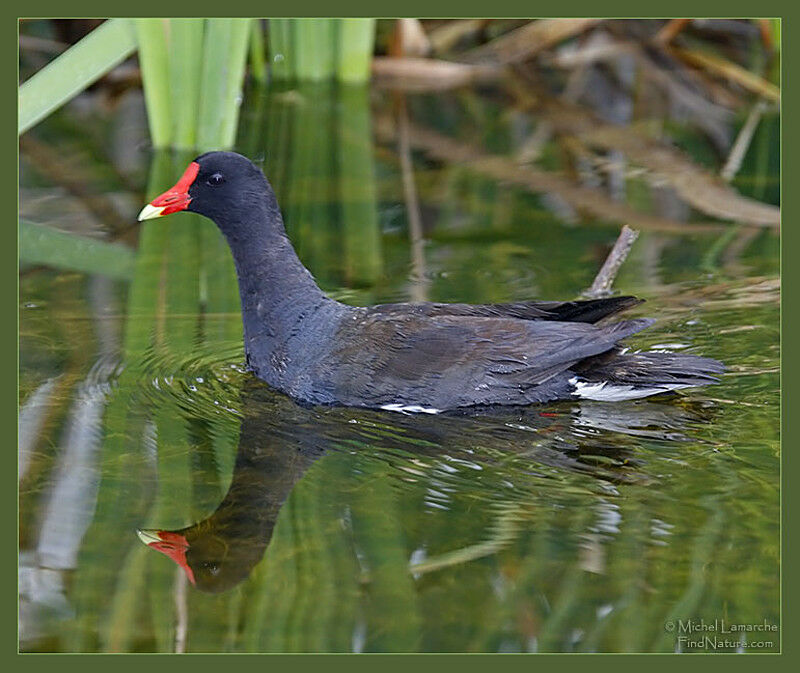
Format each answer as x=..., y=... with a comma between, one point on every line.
x=409, y=357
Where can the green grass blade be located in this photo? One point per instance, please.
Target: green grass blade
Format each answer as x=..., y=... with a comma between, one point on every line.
x=279, y=129
x=179, y=303
x=314, y=41
x=144, y=291
x=705, y=548
x=249, y=137
x=272, y=589
x=216, y=48
x=182, y=279
x=154, y=62
x=237, y=61
x=40, y=244
x=324, y=231
x=185, y=65
x=309, y=216
x=314, y=529
x=103, y=601
x=73, y=71
x=123, y=624
x=222, y=318
x=170, y=511
x=225, y=51
x=296, y=208
x=357, y=189
x=354, y=49
x=258, y=66
x=281, y=51
x=392, y=612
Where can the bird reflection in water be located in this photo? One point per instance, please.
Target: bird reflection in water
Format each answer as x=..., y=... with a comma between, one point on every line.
x=279, y=441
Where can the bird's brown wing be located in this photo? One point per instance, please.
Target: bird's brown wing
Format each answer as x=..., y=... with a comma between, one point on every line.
x=444, y=362
x=588, y=310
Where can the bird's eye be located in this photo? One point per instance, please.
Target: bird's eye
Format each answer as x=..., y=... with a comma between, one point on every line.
x=212, y=567
x=216, y=180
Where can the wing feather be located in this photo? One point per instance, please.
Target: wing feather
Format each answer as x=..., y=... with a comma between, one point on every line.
x=449, y=361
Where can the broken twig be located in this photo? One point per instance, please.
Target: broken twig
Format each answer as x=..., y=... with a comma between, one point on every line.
x=445, y=37
x=526, y=42
x=732, y=72
x=670, y=31
x=427, y=74
x=419, y=290
x=409, y=39
x=181, y=611
x=601, y=287
x=742, y=144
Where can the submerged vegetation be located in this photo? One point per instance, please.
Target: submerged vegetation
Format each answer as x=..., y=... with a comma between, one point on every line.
x=487, y=161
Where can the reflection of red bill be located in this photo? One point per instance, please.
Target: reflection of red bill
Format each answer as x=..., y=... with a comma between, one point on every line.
x=173, y=545
x=173, y=200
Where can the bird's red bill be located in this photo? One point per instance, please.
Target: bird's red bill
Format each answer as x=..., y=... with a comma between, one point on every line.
x=174, y=199
x=171, y=544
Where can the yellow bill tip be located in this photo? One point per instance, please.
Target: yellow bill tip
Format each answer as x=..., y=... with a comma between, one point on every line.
x=148, y=536
x=150, y=211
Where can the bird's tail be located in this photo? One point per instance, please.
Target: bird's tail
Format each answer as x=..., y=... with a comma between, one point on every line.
x=617, y=375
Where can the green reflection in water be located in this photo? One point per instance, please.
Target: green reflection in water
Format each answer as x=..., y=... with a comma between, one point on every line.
x=567, y=528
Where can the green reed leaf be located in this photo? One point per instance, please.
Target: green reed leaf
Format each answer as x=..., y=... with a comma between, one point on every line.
x=281, y=49
x=354, y=49
x=154, y=62
x=225, y=53
x=185, y=65
x=315, y=43
x=84, y=63
x=40, y=244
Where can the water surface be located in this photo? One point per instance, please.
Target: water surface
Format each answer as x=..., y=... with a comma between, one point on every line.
x=571, y=527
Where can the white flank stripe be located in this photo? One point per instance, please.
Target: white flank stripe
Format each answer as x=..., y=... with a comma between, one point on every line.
x=609, y=392
x=411, y=409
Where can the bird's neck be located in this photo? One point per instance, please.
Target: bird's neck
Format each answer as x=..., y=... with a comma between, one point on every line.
x=277, y=292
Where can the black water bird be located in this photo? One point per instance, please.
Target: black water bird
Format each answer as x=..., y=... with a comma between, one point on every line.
x=410, y=357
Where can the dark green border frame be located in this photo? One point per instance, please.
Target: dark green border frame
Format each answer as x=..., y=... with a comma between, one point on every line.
x=444, y=8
